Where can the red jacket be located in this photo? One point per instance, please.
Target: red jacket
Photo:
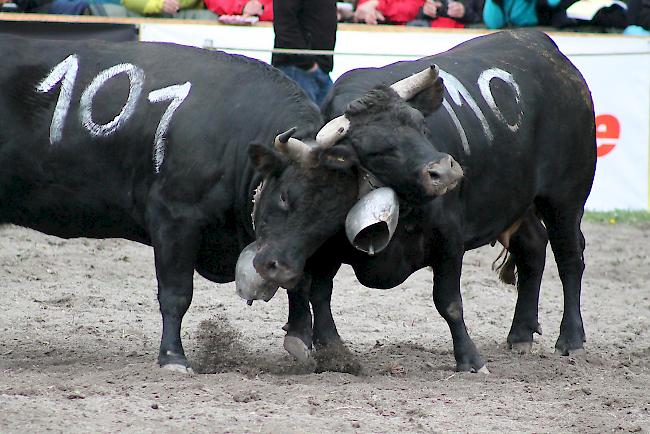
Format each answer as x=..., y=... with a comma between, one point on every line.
x=397, y=11
x=235, y=7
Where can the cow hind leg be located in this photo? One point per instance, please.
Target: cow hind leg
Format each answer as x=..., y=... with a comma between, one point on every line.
x=568, y=243
x=175, y=248
x=528, y=250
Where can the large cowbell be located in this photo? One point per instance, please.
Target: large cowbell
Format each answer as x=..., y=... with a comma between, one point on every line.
x=248, y=283
x=371, y=223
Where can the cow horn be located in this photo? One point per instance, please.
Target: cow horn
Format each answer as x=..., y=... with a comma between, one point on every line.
x=333, y=131
x=408, y=87
x=295, y=149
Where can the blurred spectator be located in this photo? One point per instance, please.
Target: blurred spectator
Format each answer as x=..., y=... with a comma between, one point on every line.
x=183, y=9
x=344, y=11
x=306, y=24
x=263, y=9
x=589, y=13
x=108, y=8
x=498, y=14
x=63, y=7
x=453, y=14
x=387, y=11
x=639, y=13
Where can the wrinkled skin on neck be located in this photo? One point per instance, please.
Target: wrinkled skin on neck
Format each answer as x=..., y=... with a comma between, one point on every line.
x=391, y=140
x=292, y=200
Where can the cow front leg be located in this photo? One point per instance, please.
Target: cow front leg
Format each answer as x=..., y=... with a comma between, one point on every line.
x=298, y=340
x=448, y=302
x=332, y=355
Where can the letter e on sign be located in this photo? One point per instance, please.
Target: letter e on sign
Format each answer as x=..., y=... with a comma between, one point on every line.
x=608, y=131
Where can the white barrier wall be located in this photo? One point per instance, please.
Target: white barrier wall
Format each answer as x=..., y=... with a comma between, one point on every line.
x=617, y=69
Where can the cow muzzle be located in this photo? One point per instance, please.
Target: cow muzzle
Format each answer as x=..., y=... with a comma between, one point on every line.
x=273, y=269
x=249, y=284
x=440, y=177
x=371, y=222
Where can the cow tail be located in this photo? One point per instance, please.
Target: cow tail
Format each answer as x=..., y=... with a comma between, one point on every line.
x=506, y=269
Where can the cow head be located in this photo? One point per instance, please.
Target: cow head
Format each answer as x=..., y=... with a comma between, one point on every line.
x=386, y=127
x=303, y=201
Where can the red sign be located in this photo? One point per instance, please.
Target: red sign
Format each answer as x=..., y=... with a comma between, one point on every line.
x=608, y=131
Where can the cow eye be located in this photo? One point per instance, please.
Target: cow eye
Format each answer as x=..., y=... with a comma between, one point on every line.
x=284, y=204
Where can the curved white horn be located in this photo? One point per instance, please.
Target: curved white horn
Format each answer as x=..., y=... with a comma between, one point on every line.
x=295, y=149
x=408, y=87
x=333, y=131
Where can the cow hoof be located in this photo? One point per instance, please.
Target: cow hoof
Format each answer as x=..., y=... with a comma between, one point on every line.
x=298, y=349
x=336, y=357
x=578, y=352
x=572, y=353
x=522, y=347
x=483, y=370
x=176, y=367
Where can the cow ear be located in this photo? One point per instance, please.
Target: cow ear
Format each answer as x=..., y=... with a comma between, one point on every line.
x=267, y=161
x=429, y=99
x=338, y=157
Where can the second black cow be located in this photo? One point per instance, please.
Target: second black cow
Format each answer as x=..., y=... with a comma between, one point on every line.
x=518, y=117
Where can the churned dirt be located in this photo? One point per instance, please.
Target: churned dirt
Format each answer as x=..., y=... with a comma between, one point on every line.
x=79, y=331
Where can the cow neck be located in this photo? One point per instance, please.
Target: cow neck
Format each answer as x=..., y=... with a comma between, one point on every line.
x=367, y=182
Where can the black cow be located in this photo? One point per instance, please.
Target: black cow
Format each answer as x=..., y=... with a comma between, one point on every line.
x=100, y=140
x=518, y=117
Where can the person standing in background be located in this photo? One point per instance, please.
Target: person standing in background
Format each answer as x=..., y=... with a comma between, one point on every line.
x=306, y=24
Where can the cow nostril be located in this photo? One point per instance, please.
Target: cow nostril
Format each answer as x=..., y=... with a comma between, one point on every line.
x=434, y=175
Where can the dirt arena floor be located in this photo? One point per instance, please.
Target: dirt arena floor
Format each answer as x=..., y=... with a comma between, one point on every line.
x=79, y=333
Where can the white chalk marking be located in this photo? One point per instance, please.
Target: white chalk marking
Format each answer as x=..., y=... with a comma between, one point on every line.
x=66, y=73
x=177, y=94
x=459, y=126
x=136, y=82
x=457, y=91
x=484, y=85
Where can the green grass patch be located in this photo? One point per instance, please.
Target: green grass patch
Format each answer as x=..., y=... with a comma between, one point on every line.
x=617, y=216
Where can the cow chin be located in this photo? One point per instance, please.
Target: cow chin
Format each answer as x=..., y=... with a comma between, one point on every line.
x=440, y=190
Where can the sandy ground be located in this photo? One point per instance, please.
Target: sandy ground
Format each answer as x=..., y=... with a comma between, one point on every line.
x=79, y=331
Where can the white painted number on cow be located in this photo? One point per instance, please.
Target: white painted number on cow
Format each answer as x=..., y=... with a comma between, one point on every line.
x=177, y=95
x=459, y=126
x=136, y=81
x=459, y=94
x=66, y=73
x=484, y=84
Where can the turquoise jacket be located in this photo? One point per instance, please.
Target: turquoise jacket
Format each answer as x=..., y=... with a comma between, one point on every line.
x=512, y=13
